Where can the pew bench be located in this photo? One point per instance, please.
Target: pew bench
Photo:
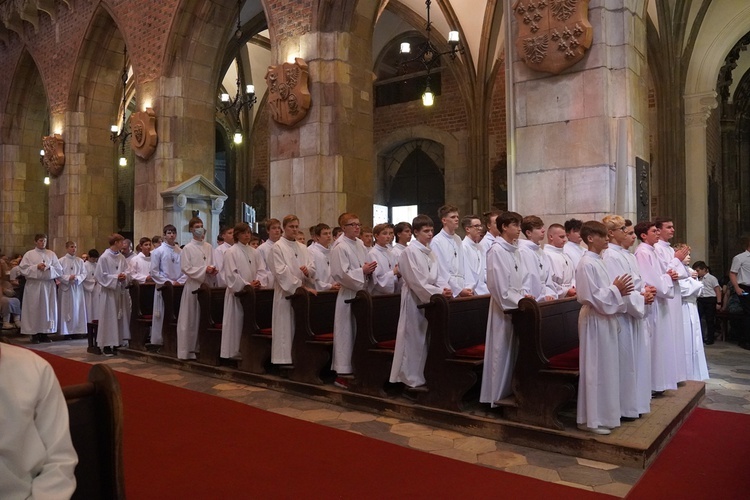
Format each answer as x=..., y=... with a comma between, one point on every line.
x=312, y=345
x=457, y=330
x=141, y=315
x=255, y=343
x=376, y=317
x=545, y=377
x=172, y=296
x=211, y=303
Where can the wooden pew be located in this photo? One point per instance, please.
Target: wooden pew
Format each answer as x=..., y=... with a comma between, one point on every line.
x=255, y=344
x=376, y=317
x=545, y=377
x=313, y=334
x=95, y=410
x=172, y=295
x=457, y=331
x=142, y=300
x=211, y=303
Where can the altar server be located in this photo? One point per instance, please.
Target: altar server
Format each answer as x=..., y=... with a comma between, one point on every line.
x=475, y=255
x=140, y=265
x=561, y=266
x=70, y=294
x=112, y=275
x=537, y=278
x=320, y=252
x=165, y=266
x=39, y=307
x=690, y=290
x=273, y=227
x=91, y=289
x=386, y=278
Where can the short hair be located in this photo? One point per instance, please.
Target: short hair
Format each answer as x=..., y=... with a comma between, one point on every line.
x=69, y=244
x=531, y=222
x=700, y=265
x=506, y=219
x=642, y=228
x=399, y=228
x=169, y=227
x=613, y=222
x=289, y=219
x=336, y=231
x=573, y=225
x=157, y=239
x=254, y=237
x=659, y=221
x=318, y=229
x=345, y=217
x=591, y=228
x=628, y=222
x=40, y=236
x=129, y=242
x=487, y=217
x=466, y=220
x=420, y=222
x=445, y=210
x=193, y=222
x=381, y=227
x=272, y=222
x=680, y=245
x=144, y=240
x=366, y=229
x=224, y=230
x=114, y=238
x=555, y=226
x=93, y=253
x=240, y=227
x=745, y=240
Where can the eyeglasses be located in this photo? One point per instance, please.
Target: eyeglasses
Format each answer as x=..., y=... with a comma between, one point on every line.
x=353, y=224
x=477, y=226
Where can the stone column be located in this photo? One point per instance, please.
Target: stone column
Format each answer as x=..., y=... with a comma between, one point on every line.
x=697, y=110
x=565, y=127
x=322, y=166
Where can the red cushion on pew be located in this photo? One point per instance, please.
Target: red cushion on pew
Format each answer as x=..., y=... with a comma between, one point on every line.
x=147, y=316
x=96, y=321
x=323, y=336
x=387, y=344
x=565, y=361
x=217, y=326
x=265, y=331
x=475, y=351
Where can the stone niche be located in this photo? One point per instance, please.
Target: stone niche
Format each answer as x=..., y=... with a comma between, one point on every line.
x=196, y=196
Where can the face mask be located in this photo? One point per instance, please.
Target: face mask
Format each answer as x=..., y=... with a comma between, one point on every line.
x=199, y=232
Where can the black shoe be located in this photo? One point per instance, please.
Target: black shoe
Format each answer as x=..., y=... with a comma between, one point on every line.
x=43, y=338
x=107, y=351
x=35, y=338
x=628, y=419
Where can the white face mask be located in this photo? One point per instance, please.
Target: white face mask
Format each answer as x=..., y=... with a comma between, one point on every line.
x=199, y=232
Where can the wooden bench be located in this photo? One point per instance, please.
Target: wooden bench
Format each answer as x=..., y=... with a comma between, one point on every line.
x=457, y=331
x=255, y=343
x=545, y=377
x=313, y=334
x=376, y=317
x=141, y=315
x=95, y=411
x=172, y=296
x=211, y=303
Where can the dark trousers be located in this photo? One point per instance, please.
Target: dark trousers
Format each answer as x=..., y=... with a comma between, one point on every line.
x=707, y=313
x=745, y=303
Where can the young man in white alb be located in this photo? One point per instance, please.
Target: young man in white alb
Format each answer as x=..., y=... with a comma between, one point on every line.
x=273, y=227
x=39, y=307
x=573, y=248
x=320, y=251
x=491, y=229
x=402, y=233
x=537, y=280
x=475, y=256
x=561, y=266
x=113, y=277
x=165, y=266
x=227, y=236
x=446, y=245
x=140, y=265
x=70, y=296
x=386, y=278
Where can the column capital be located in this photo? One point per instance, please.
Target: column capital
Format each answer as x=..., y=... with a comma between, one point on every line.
x=698, y=108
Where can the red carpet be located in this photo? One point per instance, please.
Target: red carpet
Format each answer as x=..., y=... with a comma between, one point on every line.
x=185, y=444
x=709, y=457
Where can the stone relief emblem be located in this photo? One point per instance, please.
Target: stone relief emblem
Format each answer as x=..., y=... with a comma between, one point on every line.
x=144, y=138
x=288, y=93
x=54, y=154
x=553, y=35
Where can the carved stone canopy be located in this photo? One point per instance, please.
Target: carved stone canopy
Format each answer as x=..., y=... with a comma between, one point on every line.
x=288, y=92
x=144, y=137
x=54, y=154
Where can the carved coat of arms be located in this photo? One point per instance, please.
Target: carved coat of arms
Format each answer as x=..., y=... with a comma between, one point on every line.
x=54, y=154
x=288, y=93
x=144, y=138
x=553, y=35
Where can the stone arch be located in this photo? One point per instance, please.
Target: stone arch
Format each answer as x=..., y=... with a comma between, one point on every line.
x=21, y=179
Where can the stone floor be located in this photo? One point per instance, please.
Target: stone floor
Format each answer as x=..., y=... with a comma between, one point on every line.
x=727, y=390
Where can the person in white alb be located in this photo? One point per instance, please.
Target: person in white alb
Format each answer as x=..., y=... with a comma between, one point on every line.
x=320, y=251
x=739, y=277
x=91, y=289
x=140, y=265
x=446, y=245
x=402, y=232
x=537, y=280
x=561, y=266
x=386, y=278
x=227, y=240
x=112, y=275
x=695, y=356
x=573, y=248
x=273, y=227
x=197, y=263
x=490, y=225
x=70, y=296
x=165, y=266
x=709, y=301
x=39, y=306
x=475, y=256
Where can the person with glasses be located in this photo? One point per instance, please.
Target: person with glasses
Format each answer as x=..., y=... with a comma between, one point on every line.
x=475, y=256
x=352, y=268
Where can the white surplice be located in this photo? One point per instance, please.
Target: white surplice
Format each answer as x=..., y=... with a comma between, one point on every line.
x=91, y=291
x=574, y=251
x=634, y=345
x=450, y=257
x=419, y=269
x=562, y=270
x=505, y=282
x=322, y=258
x=347, y=258
x=695, y=356
x=265, y=253
x=397, y=250
x=487, y=241
x=599, y=358
x=475, y=266
x=665, y=253
x=284, y=260
x=658, y=321
x=537, y=280
x=165, y=266
x=114, y=321
x=140, y=267
x=70, y=296
x=384, y=280
x=39, y=307
x=195, y=258
x=240, y=267
x=218, y=279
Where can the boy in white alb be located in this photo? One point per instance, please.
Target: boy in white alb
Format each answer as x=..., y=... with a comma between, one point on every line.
x=561, y=266
x=386, y=278
x=165, y=266
x=70, y=294
x=402, y=232
x=447, y=248
x=273, y=227
x=537, y=280
x=320, y=251
x=112, y=275
x=39, y=307
x=475, y=256
x=140, y=265
x=573, y=248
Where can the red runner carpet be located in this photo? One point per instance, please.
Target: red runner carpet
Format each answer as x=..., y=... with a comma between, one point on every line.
x=185, y=444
